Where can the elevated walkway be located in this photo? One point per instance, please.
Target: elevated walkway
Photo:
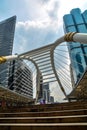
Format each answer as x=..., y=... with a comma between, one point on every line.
x=44, y=61
x=59, y=116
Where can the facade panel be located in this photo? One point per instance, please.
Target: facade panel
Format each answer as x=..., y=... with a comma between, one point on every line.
x=85, y=17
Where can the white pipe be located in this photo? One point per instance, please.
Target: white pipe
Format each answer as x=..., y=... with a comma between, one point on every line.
x=11, y=57
x=80, y=37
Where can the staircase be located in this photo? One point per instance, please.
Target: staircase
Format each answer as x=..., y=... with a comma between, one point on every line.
x=62, y=116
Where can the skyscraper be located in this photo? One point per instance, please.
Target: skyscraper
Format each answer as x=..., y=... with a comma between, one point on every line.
x=46, y=92
x=76, y=22
x=7, y=28
x=51, y=99
x=40, y=93
x=20, y=78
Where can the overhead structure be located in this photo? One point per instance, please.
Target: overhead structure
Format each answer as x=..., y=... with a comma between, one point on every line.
x=43, y=59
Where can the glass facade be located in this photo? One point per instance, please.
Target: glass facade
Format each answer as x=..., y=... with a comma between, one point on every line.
x=20, y=78
x=7, y=28
x=46, y=93
x=76, y=22
x=40, y=93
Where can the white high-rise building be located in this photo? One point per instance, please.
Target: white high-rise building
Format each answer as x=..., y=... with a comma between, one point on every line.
x=20, y=78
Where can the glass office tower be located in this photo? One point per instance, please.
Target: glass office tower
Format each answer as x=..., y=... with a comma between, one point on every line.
x=7, y=28
x=20, y=78
x=76, y=22
x=46, y=92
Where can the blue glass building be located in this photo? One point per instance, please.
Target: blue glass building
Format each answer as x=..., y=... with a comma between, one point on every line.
x=7, y=28
x=76, y=22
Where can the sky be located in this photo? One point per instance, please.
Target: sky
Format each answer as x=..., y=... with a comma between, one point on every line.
x=39, y=22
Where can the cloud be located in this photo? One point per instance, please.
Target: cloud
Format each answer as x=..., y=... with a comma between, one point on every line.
x=68, y=5
x=33, y=34
x=53, y=12
x=56, y=92
x=41, y=30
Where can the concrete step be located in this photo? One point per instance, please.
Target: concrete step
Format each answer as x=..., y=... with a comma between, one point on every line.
x=63, y=116
x=47, y=107
x=46, y=113
x=60, y=104
x=43, y=126
x=51, y=119
x=44, y=108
